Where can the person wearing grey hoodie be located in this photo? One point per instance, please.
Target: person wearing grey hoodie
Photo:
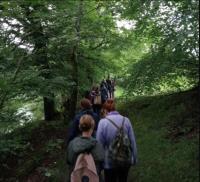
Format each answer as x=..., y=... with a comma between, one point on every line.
x=85, y=143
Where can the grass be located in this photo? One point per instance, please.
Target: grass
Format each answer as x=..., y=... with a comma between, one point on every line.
x=165, y=155
x=32, y=151
x=166, y=129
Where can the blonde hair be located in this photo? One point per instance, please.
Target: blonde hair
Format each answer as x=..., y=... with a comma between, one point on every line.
x=86, y=123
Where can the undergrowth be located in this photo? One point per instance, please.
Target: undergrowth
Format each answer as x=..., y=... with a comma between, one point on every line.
x=166, y=129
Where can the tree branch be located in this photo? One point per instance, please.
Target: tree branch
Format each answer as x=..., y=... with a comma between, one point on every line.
x=5, y=94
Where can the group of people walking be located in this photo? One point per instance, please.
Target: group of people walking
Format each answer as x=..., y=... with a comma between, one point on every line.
x=100, y=93
x=98, y=135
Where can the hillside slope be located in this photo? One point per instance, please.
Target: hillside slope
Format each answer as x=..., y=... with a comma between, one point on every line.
x=167, y=133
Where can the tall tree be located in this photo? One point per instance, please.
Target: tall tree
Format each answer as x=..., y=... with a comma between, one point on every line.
x=40, y=41
x=72, y=99
x=167, y=33
x=65, y=44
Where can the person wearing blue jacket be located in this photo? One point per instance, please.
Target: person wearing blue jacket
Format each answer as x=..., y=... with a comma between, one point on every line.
x=86, y=108
x=105, y=135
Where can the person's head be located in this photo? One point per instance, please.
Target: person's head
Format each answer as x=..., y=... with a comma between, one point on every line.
x=93, y=87
x=97, y=89
x=109, y=105
x=85, y=104
x=86, y=124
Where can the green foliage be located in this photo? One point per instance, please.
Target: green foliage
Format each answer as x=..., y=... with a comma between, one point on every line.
x=58, y=49
x=167, y=144
x=12, y=148
x=25, y=148
x=52, y=145
x=164, y=52
x=161, y=72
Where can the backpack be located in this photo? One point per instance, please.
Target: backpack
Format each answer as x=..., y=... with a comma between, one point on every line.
x=97, y=99
x=85, y=169
x=119, y=150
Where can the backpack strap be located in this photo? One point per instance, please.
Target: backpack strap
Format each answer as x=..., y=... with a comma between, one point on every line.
x=116, y=124
x=87, y=112
x=123, y=122
x=86, y=151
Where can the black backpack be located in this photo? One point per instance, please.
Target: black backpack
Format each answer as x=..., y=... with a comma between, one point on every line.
x=119, y=150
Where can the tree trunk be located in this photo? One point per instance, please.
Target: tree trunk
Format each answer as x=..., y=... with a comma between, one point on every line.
x=49, y=109
x=41, y=58
x=40, y=54
x=70, y=105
